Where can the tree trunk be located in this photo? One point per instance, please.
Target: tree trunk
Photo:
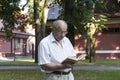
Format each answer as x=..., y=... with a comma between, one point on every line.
x=37, y=27
x=90, y=46
x=40, y=23
x=92, y=49
x=68, y=14
x=45, y=15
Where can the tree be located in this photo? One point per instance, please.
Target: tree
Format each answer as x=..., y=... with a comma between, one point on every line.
x=40, y=22
x=8, y=8
x=80, y=15
x=11, y=15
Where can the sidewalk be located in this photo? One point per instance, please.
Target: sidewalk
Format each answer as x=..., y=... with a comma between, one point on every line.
x=74, y=68
x=6, y=59
x=3, y=59
x=88, y=67
x=96, y=67
x=20, y=67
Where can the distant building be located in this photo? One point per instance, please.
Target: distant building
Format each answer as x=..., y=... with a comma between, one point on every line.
x=107, y=42
x=18, y=45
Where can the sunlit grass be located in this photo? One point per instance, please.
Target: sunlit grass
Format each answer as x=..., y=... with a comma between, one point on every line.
x=21, y=75
x=79, y=75
x=115, y=62
x=27, y=60
x=23, y=62
x=97, y=74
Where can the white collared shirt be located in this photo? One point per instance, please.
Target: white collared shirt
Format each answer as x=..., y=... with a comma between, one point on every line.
x=50, y=51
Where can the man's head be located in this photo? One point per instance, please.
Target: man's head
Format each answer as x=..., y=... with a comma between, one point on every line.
x=59, y=29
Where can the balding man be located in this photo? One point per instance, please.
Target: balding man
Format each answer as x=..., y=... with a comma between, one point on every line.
x=54, y=49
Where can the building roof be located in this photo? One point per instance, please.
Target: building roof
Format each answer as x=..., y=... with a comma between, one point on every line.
x=16, y=32
x=22, y=33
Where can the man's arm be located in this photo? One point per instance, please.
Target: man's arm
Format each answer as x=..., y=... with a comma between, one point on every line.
x=52, y=66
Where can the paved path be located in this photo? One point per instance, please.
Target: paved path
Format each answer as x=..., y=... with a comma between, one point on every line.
x=97, y=67
x=75, y=67
x=37, y=67
x=20, y=67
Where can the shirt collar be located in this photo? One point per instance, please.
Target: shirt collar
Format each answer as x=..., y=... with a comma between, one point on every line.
x=53, y=39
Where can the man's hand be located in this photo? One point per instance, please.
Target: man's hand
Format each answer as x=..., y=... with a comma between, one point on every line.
x=68, y=65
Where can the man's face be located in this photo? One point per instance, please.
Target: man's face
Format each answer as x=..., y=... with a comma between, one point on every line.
x=60, y=33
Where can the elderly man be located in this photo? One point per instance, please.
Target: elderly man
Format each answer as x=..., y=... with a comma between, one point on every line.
x=54, y=49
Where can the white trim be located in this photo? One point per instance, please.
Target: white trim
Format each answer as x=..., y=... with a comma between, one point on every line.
x=100, y=51
x=76, y=51
x=18, y=52
x=5, y=52
x=107, y=51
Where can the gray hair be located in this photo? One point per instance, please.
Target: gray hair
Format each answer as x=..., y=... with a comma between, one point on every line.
x=59, y=23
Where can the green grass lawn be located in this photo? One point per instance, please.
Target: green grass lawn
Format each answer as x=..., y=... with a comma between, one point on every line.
x=97, y=75
x=79, y=75
x=21, y=75
x=115, y=62
x=26, y=62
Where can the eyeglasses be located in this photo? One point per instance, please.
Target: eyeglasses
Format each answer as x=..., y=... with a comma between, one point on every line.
x=62, y=32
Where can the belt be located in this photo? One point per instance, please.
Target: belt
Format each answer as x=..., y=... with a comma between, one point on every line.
x=60, y=72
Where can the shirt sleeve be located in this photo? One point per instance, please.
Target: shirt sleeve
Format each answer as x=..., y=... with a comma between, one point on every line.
x=43, y=54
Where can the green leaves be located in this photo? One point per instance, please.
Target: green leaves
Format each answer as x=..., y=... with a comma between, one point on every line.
x=82, y=14
x=7, y=15
x=10, y=13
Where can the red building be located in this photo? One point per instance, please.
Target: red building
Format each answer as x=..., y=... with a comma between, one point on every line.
x=18, y=45
x=107, y=42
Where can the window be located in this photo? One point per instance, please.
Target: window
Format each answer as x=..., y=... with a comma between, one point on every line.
x=16, y=43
